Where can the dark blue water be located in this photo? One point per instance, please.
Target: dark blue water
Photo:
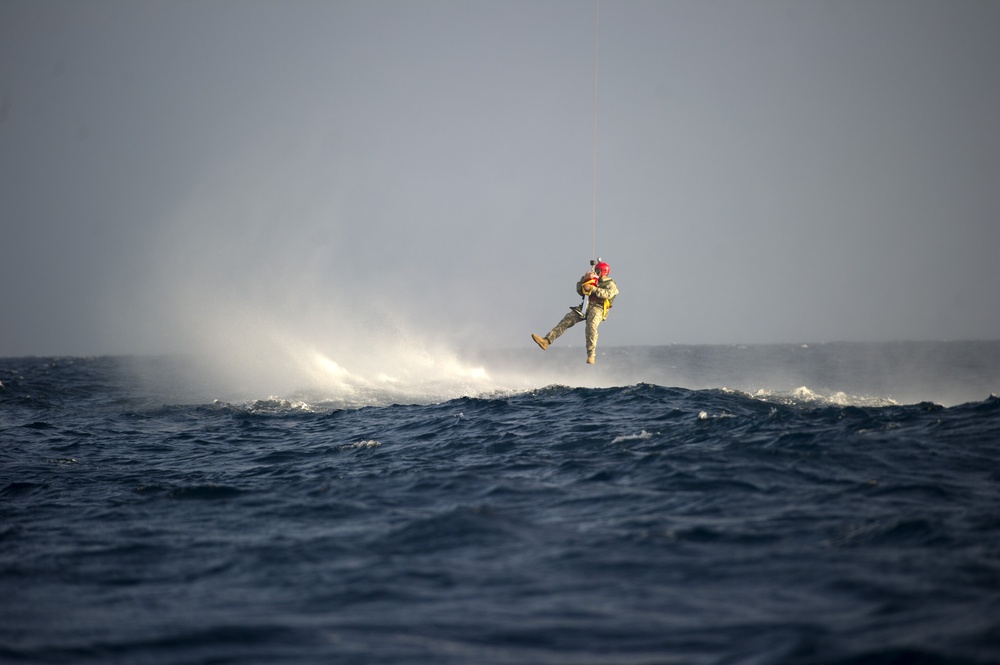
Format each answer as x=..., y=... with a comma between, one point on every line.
x=626, y=524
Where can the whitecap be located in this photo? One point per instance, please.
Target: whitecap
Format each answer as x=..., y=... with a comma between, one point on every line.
x=643, y=435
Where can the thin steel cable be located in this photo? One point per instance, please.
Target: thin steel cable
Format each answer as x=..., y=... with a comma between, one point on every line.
x=593, y=230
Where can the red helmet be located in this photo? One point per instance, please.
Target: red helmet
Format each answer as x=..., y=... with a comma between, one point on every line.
x=602, y=269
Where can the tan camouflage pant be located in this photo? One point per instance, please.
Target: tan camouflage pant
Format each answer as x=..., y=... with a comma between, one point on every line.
x=595, y=315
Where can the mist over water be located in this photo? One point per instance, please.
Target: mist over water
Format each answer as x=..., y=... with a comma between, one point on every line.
x=259, y=282
x=257, y=277
x=399, y=372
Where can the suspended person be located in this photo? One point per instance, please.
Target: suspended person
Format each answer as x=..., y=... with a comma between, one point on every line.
x=600, y=291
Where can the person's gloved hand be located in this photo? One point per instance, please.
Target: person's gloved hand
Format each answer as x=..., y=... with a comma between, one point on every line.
x=587, y=288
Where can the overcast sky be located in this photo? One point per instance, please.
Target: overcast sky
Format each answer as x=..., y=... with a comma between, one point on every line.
x=177, y=173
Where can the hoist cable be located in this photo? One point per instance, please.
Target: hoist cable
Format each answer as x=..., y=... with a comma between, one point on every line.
x=593, y=230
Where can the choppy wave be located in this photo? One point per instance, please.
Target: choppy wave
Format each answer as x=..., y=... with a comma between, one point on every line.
x=629, y=523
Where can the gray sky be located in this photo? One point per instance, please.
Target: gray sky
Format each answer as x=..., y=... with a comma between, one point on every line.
x=178, y=174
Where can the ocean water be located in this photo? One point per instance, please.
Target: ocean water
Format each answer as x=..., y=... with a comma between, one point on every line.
x=835, y=503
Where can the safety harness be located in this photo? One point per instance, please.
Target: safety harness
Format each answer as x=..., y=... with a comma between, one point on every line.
x=605, y=303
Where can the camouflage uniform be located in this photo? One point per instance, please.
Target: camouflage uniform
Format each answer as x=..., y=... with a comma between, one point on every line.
x=606, y=290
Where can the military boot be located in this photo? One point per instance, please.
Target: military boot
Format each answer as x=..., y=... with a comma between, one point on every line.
x=541, y=341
